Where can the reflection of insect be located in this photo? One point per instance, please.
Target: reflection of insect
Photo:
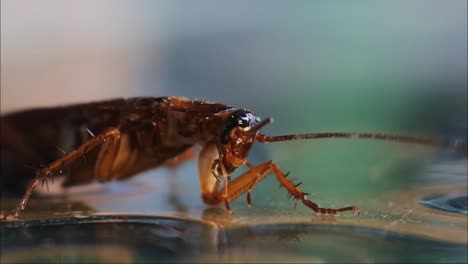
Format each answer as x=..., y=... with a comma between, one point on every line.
x=126, y=136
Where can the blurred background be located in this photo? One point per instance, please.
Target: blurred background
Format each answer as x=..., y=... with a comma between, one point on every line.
x=394, y=66
x=315, y=66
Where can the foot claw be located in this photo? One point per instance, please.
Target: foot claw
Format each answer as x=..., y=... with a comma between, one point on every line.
x=9, y=216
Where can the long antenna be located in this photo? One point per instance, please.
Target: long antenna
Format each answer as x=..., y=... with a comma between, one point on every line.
x=380, y=136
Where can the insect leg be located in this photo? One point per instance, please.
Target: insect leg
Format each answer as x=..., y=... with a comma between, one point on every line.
x=238, y=186
x=110, y=134
x=247, y=181
x=302, y=196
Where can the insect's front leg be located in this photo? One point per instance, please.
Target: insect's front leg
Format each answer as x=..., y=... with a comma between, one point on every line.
x=299, y=195
x=112, y=134
x=244, y=183
x=247, y=182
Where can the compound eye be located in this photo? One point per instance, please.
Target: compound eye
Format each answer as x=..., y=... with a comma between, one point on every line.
x=236, y=120
x=243, y=121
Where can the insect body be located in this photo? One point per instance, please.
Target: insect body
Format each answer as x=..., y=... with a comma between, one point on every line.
x=122, y=137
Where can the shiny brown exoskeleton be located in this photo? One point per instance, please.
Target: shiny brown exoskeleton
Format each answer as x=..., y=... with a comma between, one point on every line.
x=122, y=137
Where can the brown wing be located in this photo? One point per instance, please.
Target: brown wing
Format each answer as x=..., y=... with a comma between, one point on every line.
x=33, y=138
x=37, y=137
x=123, y=158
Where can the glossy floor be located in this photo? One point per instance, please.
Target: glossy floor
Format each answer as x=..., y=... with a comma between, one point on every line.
x=134, y=221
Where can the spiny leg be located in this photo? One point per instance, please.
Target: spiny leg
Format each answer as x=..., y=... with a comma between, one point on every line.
x=252, y=186
x=113, y=134
x=247, y=182
x=237, y=187
x=302, y=196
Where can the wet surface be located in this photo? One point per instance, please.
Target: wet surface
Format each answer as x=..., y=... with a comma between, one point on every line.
x=318, y=67
x=450, y=203
x=124, y=238
x=142, y=220
x=150, y=239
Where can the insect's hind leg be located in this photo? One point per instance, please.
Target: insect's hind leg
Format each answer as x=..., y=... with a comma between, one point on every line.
x=247, y=181
x=42, y=174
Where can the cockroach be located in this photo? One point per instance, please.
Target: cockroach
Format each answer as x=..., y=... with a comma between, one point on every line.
x=122, y=137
